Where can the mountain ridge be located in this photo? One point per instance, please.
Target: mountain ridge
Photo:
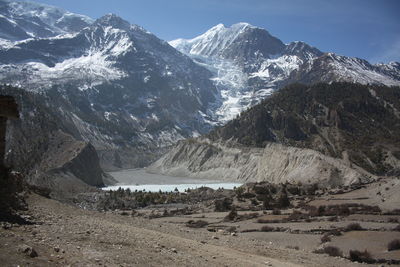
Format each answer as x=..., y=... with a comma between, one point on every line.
x=129, y=93
x=262, y=71
x=336, y=134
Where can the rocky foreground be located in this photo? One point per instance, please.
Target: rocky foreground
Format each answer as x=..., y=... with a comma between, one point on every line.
x=63, y=235
x=234, y=228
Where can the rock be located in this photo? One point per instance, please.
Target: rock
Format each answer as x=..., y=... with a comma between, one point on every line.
x=215, y=237
x=233, y=234
x=57, y=249
x=6, y=226
x=31, y=252
x=174, y=250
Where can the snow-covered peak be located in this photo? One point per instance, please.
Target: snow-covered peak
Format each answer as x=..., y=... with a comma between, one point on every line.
x=48, y=14
x=302, y=50
x=221, y=41
x=113, y=21
x=21, y=20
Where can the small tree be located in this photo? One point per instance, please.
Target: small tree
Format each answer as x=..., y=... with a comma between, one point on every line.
x=283, y=200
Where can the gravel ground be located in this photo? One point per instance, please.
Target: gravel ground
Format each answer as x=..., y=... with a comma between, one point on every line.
x=68, y=236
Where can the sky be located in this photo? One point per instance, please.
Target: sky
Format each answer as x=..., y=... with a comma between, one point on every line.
x=368, y=29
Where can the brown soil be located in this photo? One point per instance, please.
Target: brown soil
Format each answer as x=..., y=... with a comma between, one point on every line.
x=68, y=236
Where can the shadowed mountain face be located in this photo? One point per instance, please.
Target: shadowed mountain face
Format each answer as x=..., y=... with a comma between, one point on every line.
x=41, y=145
x=334, y=134
x=340, y=120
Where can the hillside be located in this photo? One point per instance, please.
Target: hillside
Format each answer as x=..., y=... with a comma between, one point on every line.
x=43, y=147
x=339, y=133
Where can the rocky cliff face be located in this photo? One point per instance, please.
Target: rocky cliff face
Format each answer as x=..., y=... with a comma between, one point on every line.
x=44, y=149
x=334, y=134
x=276, y=163
x=76, y=158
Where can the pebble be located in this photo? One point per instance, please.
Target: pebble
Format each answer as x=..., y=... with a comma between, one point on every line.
x=215, y=237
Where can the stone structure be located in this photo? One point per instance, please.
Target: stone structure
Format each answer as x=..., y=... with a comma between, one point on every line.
x=8, y=109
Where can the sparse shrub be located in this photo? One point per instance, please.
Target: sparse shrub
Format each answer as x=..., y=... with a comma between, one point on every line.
x=397, y=228
x=393, y=220
x=297, y=216
x=360, y=256
x=331, y=251
x=333, y=219
x=283, y=200
x=269, y=221
x=321, y=210
x=254, y=202
x=267, y=229
x=232, y=215
x=276, y=212
x=325, y=238
x=394, y=245
x=251, y=215
x=293, y=247
x=223, y=204
x=239, y=191
x=231, y=229
x=353, y=227
x=393, y=212
x=334, y=232
x=248, y=195
x=196, y=224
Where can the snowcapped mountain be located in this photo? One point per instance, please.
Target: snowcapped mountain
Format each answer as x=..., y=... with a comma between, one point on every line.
x=123, y=89
x=21, y=20
x=129, y=93
x=249, y=64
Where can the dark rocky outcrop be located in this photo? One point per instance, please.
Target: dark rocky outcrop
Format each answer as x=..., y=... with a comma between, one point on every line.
x=11, y=184
x=8, y=109
x=47, y=150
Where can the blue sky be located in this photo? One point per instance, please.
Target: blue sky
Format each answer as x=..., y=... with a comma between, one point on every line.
x=368, y=29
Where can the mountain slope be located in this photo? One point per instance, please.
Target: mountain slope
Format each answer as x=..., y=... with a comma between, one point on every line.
x=124, y=89
x=249, y=64
x=41, y=145
x=22, y=20
x=333, y=134
x=131, y=95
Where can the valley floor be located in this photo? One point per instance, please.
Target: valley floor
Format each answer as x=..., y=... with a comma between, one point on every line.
x=64, y=235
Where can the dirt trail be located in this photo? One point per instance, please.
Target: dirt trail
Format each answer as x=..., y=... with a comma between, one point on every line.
x=68, y=236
